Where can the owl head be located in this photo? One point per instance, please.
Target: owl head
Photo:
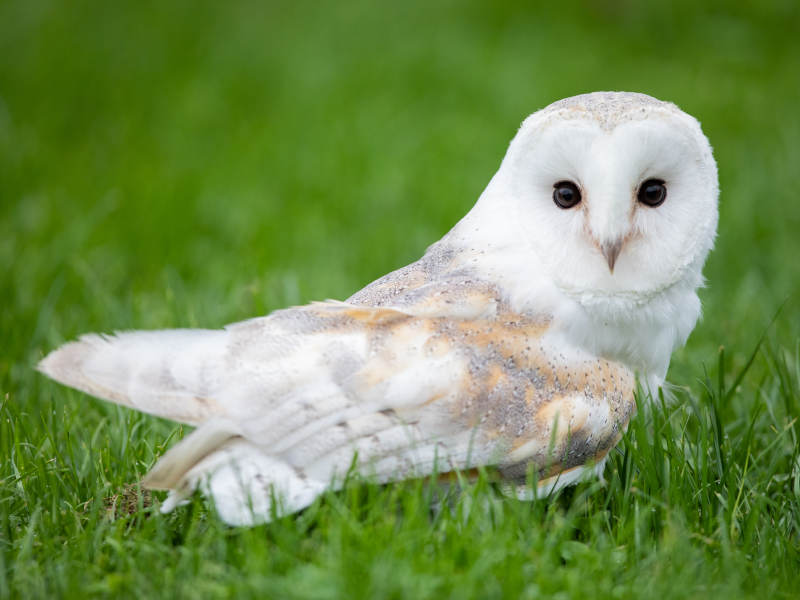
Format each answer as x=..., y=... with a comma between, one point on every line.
x=616, y=193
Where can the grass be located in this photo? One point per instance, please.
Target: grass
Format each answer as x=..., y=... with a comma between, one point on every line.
x=196, y=163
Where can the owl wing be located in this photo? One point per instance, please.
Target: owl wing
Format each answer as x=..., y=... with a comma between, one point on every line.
x=288, y=402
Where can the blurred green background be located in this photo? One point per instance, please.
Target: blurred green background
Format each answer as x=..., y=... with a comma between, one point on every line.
x=193, y=163
x=167, y=164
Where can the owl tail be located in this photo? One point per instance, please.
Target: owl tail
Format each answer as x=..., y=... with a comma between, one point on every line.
x=169, y=374
x=162, y=373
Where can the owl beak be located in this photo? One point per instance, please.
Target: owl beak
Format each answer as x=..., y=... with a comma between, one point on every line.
x=611, y=252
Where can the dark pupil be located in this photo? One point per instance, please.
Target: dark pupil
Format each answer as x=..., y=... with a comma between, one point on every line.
x=566, y=194
x=653, y=192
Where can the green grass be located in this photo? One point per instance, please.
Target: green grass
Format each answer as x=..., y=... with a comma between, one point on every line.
x=196, y=163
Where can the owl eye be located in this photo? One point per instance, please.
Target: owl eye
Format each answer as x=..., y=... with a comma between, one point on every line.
x=566, y=194
x=652, y=193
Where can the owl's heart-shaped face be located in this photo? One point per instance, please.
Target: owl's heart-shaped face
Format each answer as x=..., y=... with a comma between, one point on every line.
x=618, y=206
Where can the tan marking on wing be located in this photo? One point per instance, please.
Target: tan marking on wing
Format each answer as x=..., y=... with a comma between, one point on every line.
x=362, y=315
x=375, y=316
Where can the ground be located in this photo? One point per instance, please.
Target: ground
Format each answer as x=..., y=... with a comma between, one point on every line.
x=196, y=163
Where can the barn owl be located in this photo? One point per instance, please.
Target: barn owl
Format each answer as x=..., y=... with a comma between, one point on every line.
x=514, y=342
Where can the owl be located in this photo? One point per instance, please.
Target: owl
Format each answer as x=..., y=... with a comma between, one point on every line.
x=514, y=343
